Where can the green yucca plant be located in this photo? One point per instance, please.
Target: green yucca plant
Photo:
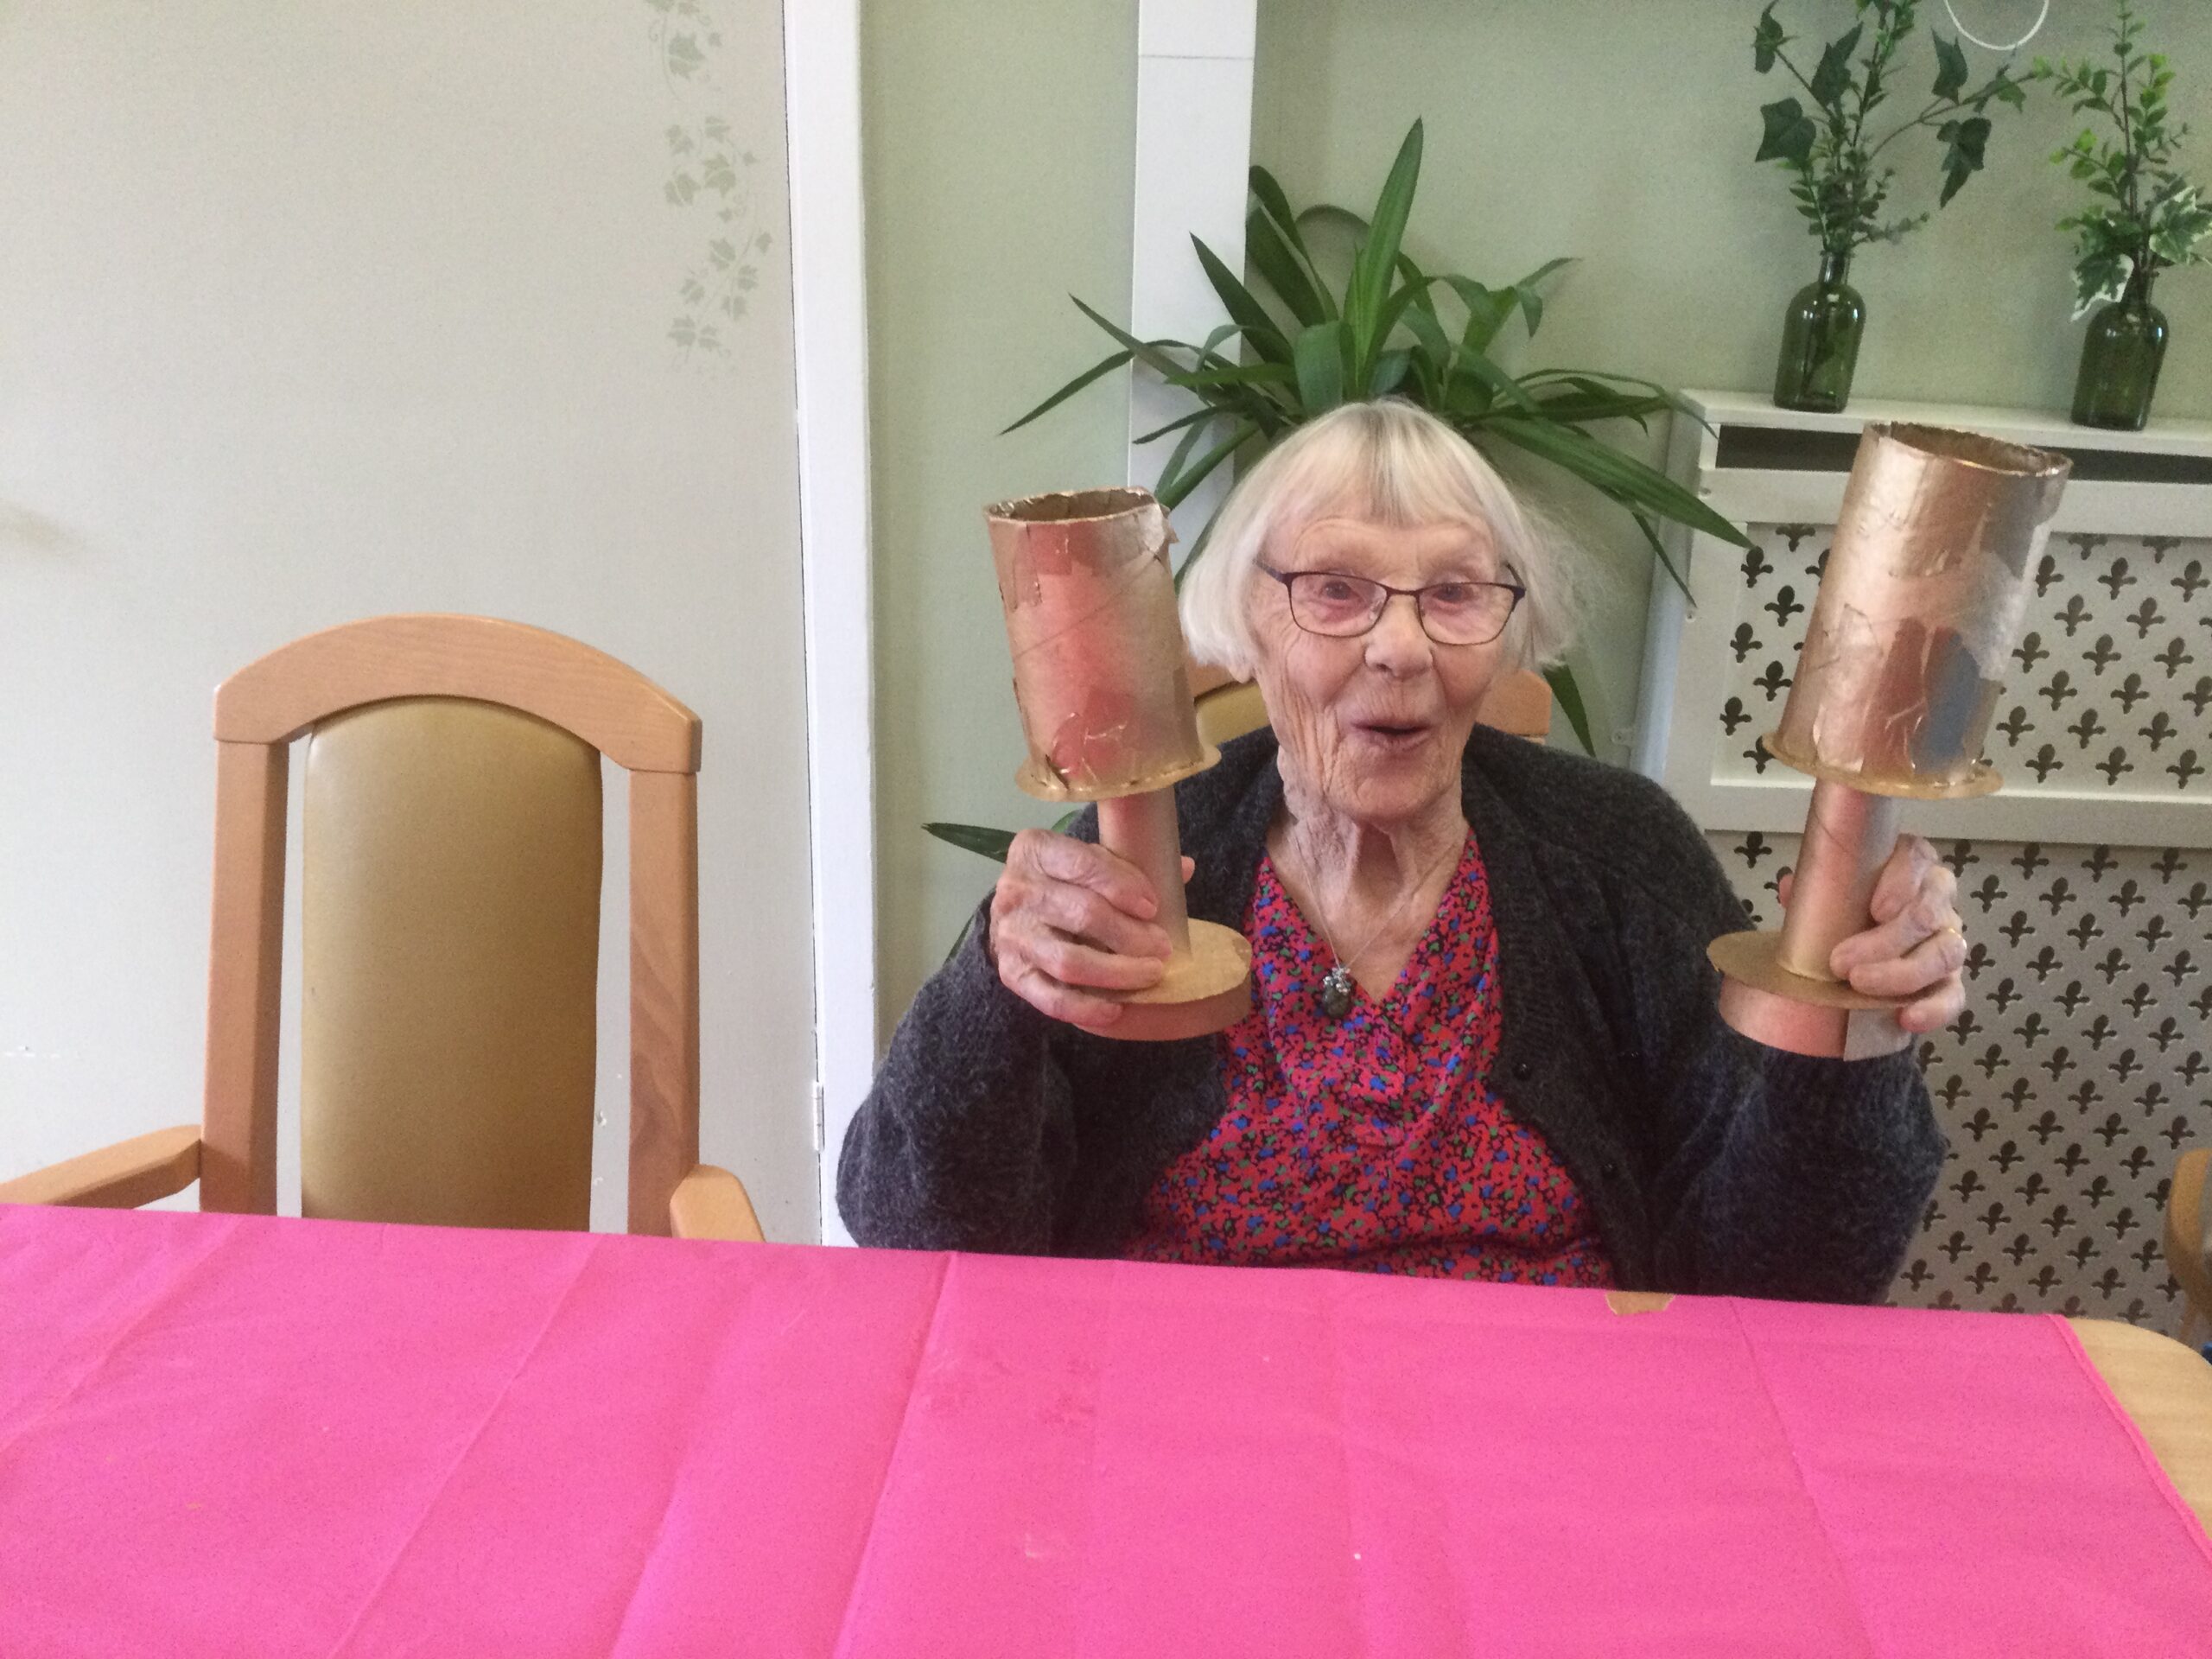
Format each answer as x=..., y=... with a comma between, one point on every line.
x=1393, y=329
x=1270, y=369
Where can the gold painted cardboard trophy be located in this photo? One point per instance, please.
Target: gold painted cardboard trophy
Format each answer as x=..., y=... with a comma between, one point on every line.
x=1106, y=707
x=1919, y=609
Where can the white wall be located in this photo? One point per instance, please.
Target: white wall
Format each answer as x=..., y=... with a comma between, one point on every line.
x=318, y=311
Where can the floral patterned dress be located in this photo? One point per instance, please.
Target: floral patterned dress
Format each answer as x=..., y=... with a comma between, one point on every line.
x=1373, y=1141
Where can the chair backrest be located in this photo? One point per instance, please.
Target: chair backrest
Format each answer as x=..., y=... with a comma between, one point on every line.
x=451, y=867
x=1519, y=703
x=2188, y=1240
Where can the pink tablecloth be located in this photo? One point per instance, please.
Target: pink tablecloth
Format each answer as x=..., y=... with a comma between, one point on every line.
x=239, y=1436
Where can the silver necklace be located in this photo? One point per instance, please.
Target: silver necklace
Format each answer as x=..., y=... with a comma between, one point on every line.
x=1336, y=991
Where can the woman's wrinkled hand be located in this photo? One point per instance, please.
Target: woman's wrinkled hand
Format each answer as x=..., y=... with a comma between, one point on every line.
x=1070, y=919
x=1917, y=945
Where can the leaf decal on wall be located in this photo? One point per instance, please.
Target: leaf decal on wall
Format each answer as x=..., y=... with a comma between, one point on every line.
x=710, y=181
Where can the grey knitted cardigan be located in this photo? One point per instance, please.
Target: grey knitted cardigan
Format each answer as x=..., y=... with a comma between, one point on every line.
x=1711, y=1164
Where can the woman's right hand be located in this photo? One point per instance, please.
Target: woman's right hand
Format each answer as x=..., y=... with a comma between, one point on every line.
x=1070, y=920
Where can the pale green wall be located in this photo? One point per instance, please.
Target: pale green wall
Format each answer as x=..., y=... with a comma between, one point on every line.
x=998, y=141
x=999, y=149
x=1622, y=134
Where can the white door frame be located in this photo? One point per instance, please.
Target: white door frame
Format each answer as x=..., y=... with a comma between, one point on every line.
x=1193, y=147
x=1194, y=60
x=821, y=118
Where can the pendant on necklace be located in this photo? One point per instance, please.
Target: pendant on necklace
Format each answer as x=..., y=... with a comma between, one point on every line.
x=1336, y=992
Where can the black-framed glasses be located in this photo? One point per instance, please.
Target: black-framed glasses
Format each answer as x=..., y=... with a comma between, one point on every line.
x=1341, y=606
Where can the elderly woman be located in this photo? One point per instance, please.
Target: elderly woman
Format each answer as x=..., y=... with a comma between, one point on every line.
x=1484, y=1041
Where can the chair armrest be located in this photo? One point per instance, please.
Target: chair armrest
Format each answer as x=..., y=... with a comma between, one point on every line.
x=120, y=1177
x=711, y=1203
x=2186, y=1244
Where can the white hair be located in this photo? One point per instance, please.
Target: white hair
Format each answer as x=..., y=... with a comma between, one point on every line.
x=1397, y=464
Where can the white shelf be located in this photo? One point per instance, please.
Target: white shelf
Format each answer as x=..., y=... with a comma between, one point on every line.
x=2044, y=428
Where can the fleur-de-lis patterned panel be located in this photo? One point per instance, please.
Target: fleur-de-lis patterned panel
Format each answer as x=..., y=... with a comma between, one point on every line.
x=2084, y=1060
x=2110, y=687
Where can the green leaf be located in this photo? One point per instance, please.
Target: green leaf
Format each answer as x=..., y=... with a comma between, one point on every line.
x=1831, y=79
x=1627, y=481
x=1152, y=353
x=1265, y=247
x=1951, y=71
x=2099, y=280
x=1275, y=213
x=1241, y=374
x=1524, y=291
x=1568, y=696
x=1964, y=143
x=1208, y=353
x=1497, y=381
x=1400, y=305
x=1767, y=40
x=1248, y=312
x=1377, y=258
x=1250, y=403
x=1275, y=204
x=1192, y=419
x=974, y=838
x=1436, y=347
x=1789, y=133
x=1465, y=400
x=1103, y=366
x=1544, y=272
x=1487, y=310
x=1659, y=551
x=1172, y=496
x=1166, y=483
x=1390, y=369
x=1600, y=380
x=1577, y=404
x=1320, y=360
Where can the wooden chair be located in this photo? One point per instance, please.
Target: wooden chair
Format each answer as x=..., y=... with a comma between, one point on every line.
x=1519, y=703
x=450, y=892
x=2189, y=1241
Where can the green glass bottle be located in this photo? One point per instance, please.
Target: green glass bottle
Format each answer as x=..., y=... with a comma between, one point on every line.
x=1820, y=341
x=2120, y=358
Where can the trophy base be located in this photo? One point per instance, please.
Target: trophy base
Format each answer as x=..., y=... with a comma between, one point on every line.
x=1751, y=959
x=1768, y=1003
x=1208, y=990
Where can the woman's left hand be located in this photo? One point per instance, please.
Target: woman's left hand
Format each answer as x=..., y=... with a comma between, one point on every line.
x=1917, y=945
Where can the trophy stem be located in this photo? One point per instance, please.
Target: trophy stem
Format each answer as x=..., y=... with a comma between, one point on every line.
x=1208, y=982
x=1142, y=829
x=1849, y=836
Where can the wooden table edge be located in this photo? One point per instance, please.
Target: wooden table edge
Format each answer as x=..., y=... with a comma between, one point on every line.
x=2166, y=1391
